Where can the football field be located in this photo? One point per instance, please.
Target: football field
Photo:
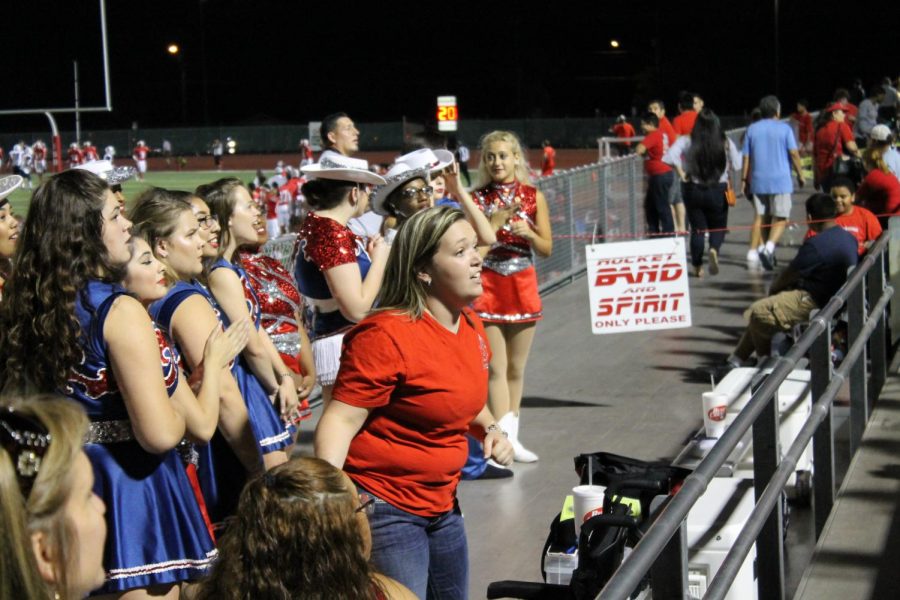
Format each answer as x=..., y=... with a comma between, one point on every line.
x=176, y=180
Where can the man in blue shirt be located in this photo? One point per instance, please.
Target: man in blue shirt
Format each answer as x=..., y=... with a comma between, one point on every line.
x=813, y=277
x=769, y=151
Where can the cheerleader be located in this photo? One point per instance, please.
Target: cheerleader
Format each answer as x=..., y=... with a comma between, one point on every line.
x=510, y=306
x=339, y=274
x=68, y=326
x=239, y=219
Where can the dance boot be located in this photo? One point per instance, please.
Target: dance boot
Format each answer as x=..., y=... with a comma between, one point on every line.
x=510, y=424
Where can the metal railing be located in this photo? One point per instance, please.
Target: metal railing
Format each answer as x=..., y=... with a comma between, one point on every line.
x=663, y=547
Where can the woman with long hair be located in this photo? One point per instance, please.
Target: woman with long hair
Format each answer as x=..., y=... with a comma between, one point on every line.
x=510, y=306
x=9, y=226
x=880, y=189
x=248, y=428
x=51, y=522
x=335, y=270
x=69, y=326
x=833, y=139
x=300, y=532
x=413, y=381
x=704, y=161
x=239, y=219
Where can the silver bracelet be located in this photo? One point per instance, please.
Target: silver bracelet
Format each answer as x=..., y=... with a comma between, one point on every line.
x=492, y=428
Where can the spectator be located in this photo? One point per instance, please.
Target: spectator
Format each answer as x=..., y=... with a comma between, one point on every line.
x=842, y=98
x=462, y=156
x=698, y=103
x=857, y=92
x=805, y=132
x=548, y=162
x=52, y=522
x=623, y=129
x=868, y=115
x=770, y=150
x=882, y=139
x=812, y=278
x=684, y=122
x=887, y=110
x=880, y=189
x=336, y=271
x=831, y=140
x=705, y=161
x=860, y=222
x=388, y=424
x=9, y=227
x=301, y=531
x=658, y=108
x=339, y=134
x=660, y=176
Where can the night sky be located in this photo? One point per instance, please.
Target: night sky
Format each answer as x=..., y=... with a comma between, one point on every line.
x=296, y=61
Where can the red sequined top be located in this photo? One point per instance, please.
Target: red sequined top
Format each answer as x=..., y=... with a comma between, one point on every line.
x=504, y=194
x=325, y=244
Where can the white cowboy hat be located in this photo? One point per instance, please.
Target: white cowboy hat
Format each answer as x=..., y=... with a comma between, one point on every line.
x=426, y=158
x=333, y=165
x=397, y=175
x=9, y=184
x=108, y=172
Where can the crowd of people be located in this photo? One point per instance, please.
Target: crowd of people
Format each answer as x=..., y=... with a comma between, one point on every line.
x=156, y=332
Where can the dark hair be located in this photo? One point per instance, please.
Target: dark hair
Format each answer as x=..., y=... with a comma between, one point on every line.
x=705, y=159
x=219, y=196
x=661, y=104
x=392, y=202
x=685, y=100
x=769, y=107
x=875, y=91
x=844, y=182
x=821, y=207
x=60, y=249
x=329, y=124
x=803, y=102
x=650, y=118
x=322, y=194
x=295, y=534
x=841, y=94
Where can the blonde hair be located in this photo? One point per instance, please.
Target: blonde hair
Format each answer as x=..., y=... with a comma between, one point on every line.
x=873, y=158
x=484, y=175
x=412, y=250
x=43, y=509
x=155, y=217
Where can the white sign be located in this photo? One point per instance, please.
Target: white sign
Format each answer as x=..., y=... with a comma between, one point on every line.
x=638, y=286
x=315, y=137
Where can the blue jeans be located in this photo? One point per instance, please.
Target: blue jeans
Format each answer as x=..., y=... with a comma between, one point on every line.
x=706, y=209
x=657, y=209
x=428, y=555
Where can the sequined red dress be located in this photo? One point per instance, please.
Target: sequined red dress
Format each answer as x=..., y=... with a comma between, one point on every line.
x=508, y=276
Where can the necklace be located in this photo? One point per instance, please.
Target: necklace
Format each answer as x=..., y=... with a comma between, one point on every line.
x=507, y=192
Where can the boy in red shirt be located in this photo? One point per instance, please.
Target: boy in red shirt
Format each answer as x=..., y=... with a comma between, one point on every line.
x=658, y=108
x=860, y=222
x=687, y=116
x=623, y=129
x=660, y=176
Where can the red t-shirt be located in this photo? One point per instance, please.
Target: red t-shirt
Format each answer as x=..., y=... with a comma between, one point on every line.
x=424, y=386
x=851, y=111
x=656, y=146
x=624, y=130
x=666, y=127
x=827, y=146
x=684, y=123
x=880, y=193
x=862, y=223
x=804, y=127
x=549, y=162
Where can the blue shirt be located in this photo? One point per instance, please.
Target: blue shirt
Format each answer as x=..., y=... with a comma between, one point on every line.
x=768, y=143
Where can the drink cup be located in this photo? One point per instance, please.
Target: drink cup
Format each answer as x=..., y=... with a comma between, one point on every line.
x=587, y=502
x=715, y=407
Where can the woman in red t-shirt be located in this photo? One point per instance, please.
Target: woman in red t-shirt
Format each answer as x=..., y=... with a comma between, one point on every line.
x=398, y=415
x=880, y=190
x=831, y=140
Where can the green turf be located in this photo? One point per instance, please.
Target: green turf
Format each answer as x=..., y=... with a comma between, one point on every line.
x=176, y=180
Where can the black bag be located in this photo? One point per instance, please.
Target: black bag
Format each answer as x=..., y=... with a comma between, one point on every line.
x=850, y=167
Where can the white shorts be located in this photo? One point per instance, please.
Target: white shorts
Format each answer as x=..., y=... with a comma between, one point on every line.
x=284, y=215
x=40, y=166
x=141, y=166
x=273, y=228
x=773, y=205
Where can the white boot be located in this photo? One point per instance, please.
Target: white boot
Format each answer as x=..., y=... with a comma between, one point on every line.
x=510, y=424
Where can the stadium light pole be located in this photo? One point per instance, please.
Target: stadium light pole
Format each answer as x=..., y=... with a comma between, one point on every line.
x=175, y=51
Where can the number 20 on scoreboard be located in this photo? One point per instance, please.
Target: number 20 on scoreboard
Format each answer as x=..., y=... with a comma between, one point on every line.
x=447, y=115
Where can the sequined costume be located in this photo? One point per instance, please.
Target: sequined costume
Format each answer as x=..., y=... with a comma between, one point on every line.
x=325, y=244
x=508, y=276
x=147, y=496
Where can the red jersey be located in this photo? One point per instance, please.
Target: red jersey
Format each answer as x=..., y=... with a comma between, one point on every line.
x=90, y=153
x=624, y=130
x=684, y=123
x=861, y=223
x=75, y=157
x=656, y=145
x=271, y=204
x=549, y=162
x=829, y=144
x=412, y=447
x=40, y=152
x=140, y=152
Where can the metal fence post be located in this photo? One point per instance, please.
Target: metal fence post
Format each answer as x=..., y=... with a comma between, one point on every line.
x=769, y=544
x=632, y=197
x=602, y=205
x=878, y=342
x=669, y=573
x=823, y=440
x=859, y=410
x=570, y=217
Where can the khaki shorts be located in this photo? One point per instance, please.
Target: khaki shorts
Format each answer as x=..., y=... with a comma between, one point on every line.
x=773, y=205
